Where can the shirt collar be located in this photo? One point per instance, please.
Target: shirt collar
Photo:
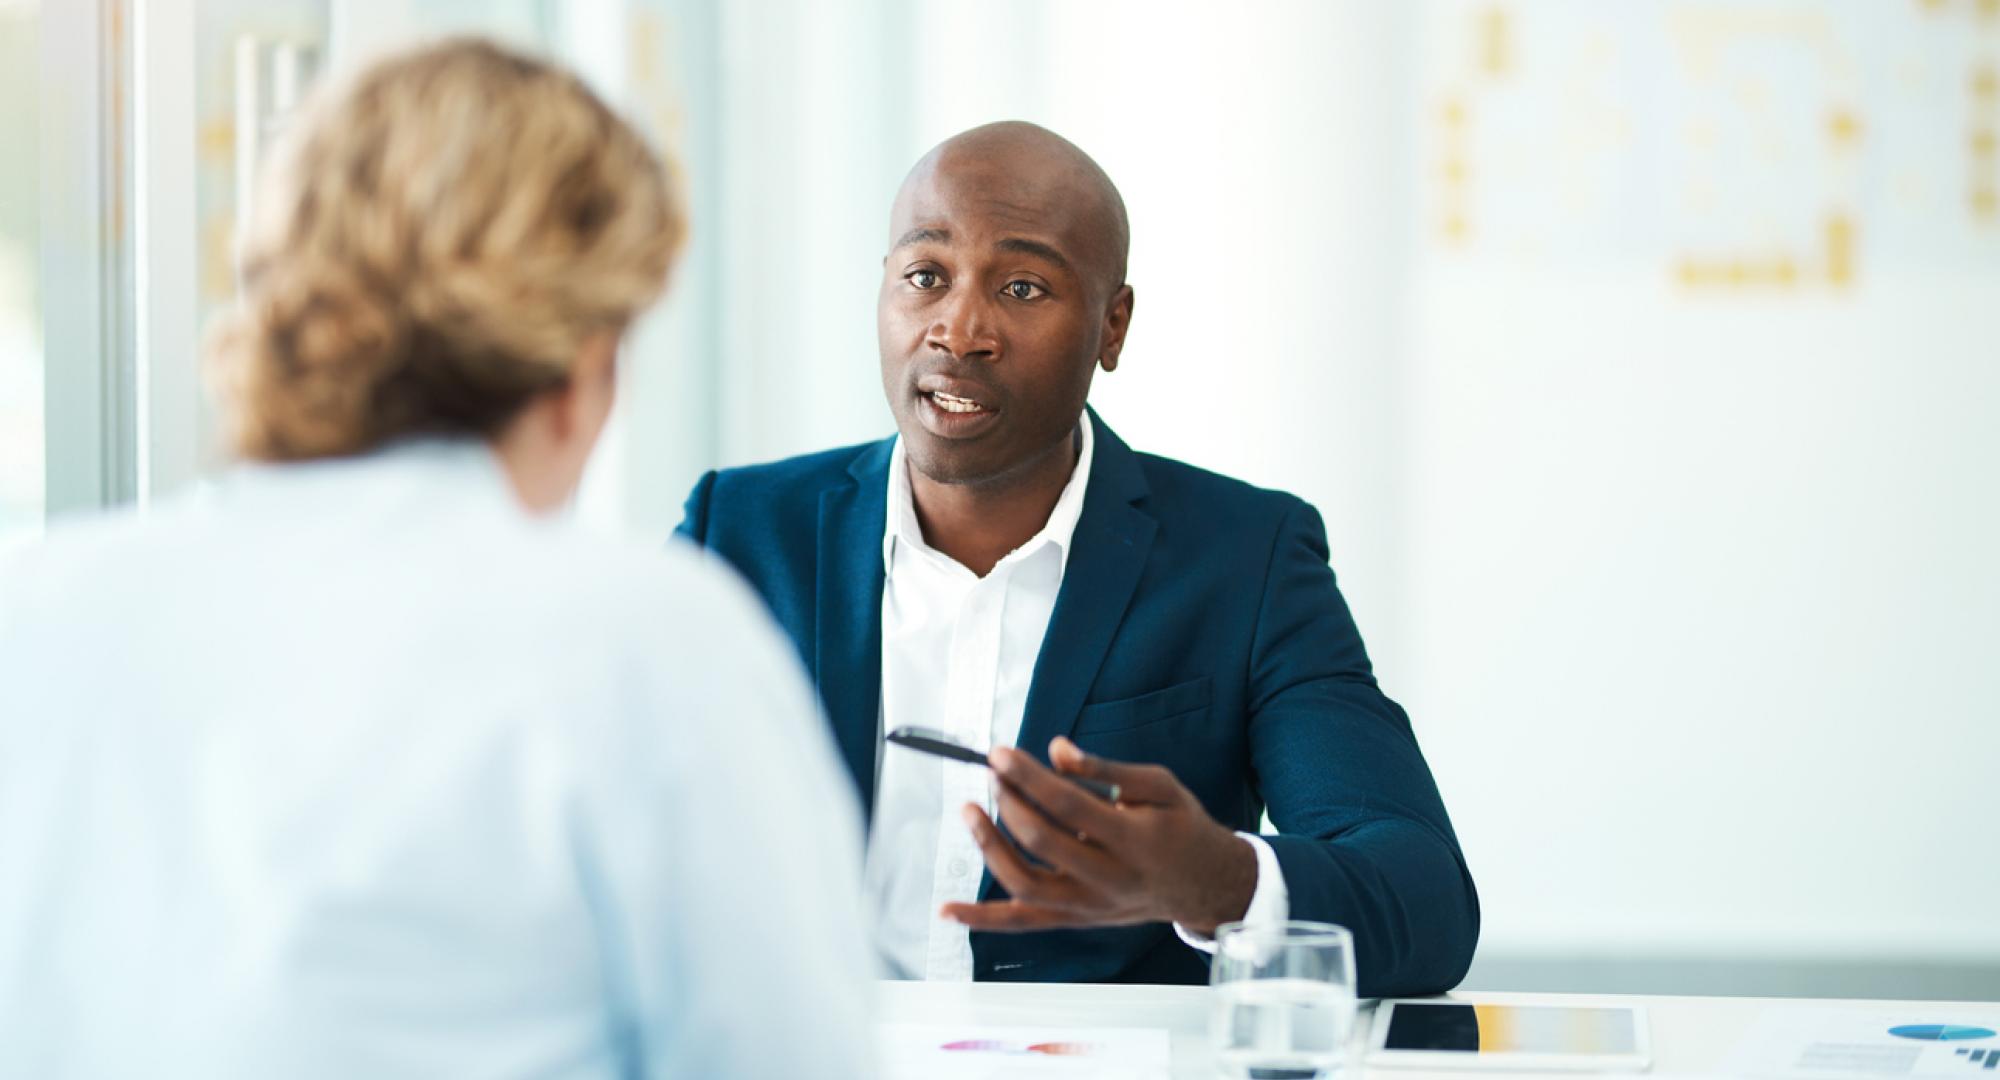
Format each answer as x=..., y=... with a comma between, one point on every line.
x=900, y=523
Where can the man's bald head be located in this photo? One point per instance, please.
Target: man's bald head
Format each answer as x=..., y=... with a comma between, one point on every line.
x=1031, y=170
x=1003, y=292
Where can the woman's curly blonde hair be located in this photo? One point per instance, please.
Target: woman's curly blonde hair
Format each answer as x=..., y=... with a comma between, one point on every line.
x=431, y=245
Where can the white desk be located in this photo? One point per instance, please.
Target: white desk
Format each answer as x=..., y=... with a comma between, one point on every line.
x=1690, y=1034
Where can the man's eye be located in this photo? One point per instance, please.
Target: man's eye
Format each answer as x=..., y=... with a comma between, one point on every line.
x=1024, y=290
x=924, y=279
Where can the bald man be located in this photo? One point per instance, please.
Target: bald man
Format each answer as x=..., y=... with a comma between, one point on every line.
x=1007, y=570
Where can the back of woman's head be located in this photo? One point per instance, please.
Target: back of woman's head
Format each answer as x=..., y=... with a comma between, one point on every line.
x=431, y=246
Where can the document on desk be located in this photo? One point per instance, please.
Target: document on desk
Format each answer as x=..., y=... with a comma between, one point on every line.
x=987, y=1052
x=1815, y=1042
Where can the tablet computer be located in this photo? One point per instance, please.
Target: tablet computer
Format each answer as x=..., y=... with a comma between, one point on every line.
x=1455, y=1035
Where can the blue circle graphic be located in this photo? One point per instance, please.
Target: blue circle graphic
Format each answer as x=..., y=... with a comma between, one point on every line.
x=1940, y=1032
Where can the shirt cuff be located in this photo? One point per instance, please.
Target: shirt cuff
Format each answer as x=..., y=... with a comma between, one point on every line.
x=1269, y=903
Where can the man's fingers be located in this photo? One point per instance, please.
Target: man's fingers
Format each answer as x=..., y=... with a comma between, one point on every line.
x=1151, y=784
x=1009, y=869
x=1076, y=810
x=1010, y=915
x=1051, y=842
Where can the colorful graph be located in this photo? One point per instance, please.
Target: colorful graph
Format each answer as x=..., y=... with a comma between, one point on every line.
x=1985, y=1059
x=1940, y=1032
x=998, y=1046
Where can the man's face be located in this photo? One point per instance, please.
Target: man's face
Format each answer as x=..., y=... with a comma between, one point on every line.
x=992, y=317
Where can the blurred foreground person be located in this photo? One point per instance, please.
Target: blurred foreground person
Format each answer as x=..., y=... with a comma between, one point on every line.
x=359, y=763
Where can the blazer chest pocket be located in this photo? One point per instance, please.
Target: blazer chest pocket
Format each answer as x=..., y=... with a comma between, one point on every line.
x=1134, y=712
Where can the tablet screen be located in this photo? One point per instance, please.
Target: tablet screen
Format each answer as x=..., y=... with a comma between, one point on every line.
x=1511, y=1029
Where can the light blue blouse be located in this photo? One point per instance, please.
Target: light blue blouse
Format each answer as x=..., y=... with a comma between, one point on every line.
x=354, y=769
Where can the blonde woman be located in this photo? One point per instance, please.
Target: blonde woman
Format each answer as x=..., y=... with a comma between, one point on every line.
x=361, y=764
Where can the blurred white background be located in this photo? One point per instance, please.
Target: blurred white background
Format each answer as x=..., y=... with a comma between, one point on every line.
x=1642, y=357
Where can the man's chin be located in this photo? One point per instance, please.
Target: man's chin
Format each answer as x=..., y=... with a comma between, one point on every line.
x=941, y=466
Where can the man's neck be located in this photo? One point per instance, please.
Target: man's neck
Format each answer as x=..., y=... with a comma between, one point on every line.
x=977, y=525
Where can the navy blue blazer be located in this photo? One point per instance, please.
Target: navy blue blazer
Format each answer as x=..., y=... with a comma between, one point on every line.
x=1198, y=626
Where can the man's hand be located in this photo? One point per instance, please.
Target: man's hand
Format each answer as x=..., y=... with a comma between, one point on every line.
x=1154, y=857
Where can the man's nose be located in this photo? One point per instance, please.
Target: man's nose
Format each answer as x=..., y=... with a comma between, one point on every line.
x=965, y=329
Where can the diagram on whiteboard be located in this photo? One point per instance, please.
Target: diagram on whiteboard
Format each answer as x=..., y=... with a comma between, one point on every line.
x=1739, y=147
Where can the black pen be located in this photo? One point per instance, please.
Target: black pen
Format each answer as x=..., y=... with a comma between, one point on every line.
x=932, y=741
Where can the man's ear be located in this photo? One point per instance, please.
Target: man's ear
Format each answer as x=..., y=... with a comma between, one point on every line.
x=1117, y=319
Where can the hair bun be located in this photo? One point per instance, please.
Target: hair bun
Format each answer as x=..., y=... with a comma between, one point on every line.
x=303, y=357
x=431, y=246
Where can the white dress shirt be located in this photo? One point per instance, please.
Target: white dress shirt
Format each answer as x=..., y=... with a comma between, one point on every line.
x=354, y=769
x=958, y=653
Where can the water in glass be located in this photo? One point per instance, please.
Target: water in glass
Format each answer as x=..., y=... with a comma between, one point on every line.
x=1284, y=1001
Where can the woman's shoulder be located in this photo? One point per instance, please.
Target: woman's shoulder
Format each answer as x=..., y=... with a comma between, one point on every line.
x=72, y=553
x=643, y=592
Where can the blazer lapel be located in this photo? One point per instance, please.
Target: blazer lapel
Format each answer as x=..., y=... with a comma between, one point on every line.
x=1107, y=555
x=848, y=620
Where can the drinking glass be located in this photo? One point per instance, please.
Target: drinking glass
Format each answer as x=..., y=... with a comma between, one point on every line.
x=1284, y=1000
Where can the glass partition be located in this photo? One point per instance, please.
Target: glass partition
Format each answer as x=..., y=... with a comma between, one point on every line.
x=22, y=457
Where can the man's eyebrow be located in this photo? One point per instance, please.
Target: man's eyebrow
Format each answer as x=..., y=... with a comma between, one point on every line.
x=923, y=235
x=1033, y=247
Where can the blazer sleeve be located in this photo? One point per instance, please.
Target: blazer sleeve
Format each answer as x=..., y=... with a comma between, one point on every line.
x=694, y=512
x=1363, y=837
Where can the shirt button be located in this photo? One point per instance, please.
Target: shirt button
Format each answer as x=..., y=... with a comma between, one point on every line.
x=958, y=868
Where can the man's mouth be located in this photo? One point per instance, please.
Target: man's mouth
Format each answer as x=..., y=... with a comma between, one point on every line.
x=955, y=408
x=951, y=404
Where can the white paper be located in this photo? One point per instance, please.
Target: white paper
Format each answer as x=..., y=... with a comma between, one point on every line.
x=987, y=1052
x=1813, y=1042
